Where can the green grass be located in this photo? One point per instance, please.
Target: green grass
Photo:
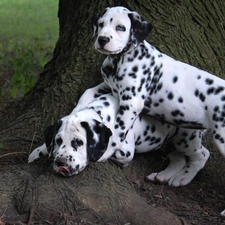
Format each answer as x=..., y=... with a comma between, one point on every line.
x=29, y=31
x=28, y=20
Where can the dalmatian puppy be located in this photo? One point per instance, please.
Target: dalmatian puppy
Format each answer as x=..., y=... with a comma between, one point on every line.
x=83, y=137
x=150, y=82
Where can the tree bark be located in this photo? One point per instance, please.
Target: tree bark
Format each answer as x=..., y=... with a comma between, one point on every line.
x=191, y=31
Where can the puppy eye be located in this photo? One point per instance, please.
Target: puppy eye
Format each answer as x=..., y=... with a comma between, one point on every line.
x=79, y=142
x=76, y=143
x=101, y=24
x=59, y=141
x=120, y=28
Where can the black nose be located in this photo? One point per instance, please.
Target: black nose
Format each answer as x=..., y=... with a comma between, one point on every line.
x=102, y=40
x=59, y=161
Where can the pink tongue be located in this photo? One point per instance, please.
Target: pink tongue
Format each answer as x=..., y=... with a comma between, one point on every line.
x=62, y=169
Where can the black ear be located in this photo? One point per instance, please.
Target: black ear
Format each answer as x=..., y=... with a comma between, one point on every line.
x=95, y=21
x=96, y=148
x=95, y=25
x=140, y=28
x=50, y=133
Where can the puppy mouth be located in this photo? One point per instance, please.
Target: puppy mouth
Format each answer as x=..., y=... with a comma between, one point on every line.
x=66, y=171
x=63, y=170
x=107, y=52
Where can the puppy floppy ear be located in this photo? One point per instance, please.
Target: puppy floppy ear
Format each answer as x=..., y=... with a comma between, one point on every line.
x=140, y=28
x=97, y=139
x=95, y=25
x=95, y=21
x=50, y=133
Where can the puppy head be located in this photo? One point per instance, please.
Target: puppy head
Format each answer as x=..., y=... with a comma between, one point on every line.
x=117, y=29
x=76, y=143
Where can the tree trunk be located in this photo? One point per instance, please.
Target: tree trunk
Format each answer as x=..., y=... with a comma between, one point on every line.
x=191, y=31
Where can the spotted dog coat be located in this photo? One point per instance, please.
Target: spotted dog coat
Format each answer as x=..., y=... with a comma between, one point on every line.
x=148, y=81
x=83, y=136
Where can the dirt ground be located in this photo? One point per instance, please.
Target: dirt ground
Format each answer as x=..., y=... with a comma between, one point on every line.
x=200, y=202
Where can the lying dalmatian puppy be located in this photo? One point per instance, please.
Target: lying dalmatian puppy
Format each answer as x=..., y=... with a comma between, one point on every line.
x=83, y=137
x=148, y=81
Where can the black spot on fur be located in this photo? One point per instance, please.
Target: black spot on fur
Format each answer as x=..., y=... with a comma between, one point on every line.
x=218, y=137
x=113, y=144
x=218, y=90
x=106, y=104
x=177, y=113
x=202, y=97
x=135, y=69
x=152, y=62
x=159, y=86
x=196, y=92
x=193, y=135
x=170, y=96
x=70, y=158
x=210, y=90
x=180, y=99
x=209, y=81
x=103, y=98
x=216, y=109
x=141, y=84
x=133, y=75
x=77, y=167
x=126, y=97
x=136, y=52
x=128, y=154
x=175, y=79
x=153, y=129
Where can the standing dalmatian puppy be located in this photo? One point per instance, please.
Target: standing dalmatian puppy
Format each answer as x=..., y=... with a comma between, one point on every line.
x=148, y=81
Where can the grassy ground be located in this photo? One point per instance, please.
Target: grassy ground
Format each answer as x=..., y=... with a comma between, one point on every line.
x=29, y=31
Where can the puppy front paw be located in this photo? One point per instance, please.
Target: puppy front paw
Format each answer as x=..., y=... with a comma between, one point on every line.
x=37, y=153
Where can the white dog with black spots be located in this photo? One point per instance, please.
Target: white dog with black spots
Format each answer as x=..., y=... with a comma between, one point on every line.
x=83, y=137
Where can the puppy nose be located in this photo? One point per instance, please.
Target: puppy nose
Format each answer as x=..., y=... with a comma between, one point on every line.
x=59, y=161
x=102, y=40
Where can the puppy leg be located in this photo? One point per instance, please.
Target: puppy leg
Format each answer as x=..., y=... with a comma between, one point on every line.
x=125, y=154
x=222, y=213
x=89, y=95
x=195, y=163
x=38, y=153
x=122, y=157
x=180, y=171
x=219, y=139
x=177, y=163
x=189, y=142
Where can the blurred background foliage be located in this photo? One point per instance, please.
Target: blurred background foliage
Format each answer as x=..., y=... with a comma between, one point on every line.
x=29, y=31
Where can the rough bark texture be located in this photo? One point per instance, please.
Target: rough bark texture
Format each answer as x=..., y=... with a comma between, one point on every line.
x=191, y=31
